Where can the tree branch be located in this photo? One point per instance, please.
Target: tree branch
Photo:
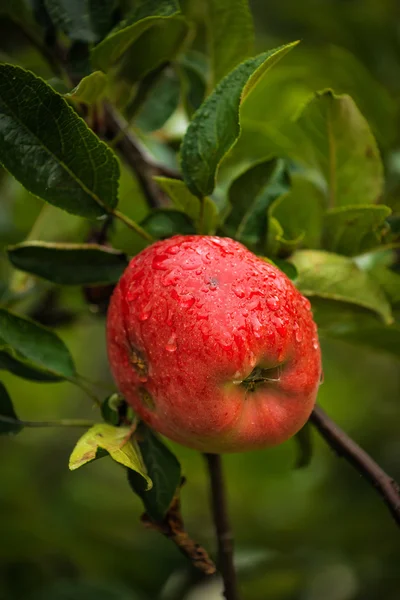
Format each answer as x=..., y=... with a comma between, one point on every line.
x=222, y=526
x=117, y=129
x=344, y=446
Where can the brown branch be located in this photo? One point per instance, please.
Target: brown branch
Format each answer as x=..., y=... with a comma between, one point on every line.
x=173, y=528
x=116, y=128
x=222, y=526
x=344, y=446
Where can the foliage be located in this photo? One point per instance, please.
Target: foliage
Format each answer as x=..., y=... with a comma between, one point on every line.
x=275, y=149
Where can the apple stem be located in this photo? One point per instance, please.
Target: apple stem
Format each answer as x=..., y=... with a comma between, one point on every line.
x=344, y=446
x=222, y=526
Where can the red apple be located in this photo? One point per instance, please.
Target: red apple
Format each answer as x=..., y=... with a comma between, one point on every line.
x=212, y=346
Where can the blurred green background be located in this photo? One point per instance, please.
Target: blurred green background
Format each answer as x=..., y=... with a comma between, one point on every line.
x=319, y=533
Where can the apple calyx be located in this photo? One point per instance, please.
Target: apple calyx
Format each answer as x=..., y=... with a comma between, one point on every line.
x=261, y=376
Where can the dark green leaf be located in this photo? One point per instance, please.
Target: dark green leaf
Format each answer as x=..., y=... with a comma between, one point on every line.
x=161, y=103
x=351, y=230
x=50, y=150
x=230, y=35
x=117, y=442
x=193, y=70
x=22, y=368
x=335, y=277
x=111, y=408
x=7, y=412
x=34, y=346
x=69, y=264
x=82, y=20
x=216, y=125
x=249, y=196
x=340, y=144
x=390, y=283
x=164, y=470
x=162, y=223
x=304, y=445
x=300, y=211
x=156, y=46
x=146, y=14
x=90, y=89
x=288, y=268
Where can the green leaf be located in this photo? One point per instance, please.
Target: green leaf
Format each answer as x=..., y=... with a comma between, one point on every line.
x=146, y=14
x=193, y=69
x=35, y=347
x=288, y=268
x=300, y=211
x=215, y=127
x=250, y=195
x=163, y=223
x=203, y=213
x=390, y=283
x=7, y=411
x=351, y=230
x=181, y=196
x=50, y=150
x=341, y=145
x=111, y=407
x=117, y=442
x=276, y=243
x=355, y=325
x=334, y=277
x=69, y=264
x=90, y=89
x=157, y=46
x=161, y=103
x=230, y=35
x=20, y=368
x=163, y=469
x=82, y=20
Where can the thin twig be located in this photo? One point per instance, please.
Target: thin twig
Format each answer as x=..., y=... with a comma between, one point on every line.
x=56, y=423
x=222, y=526
x=132, y=225
x=344, y=446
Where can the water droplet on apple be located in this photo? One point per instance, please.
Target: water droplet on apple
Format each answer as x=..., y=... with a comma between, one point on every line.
x=279, y=326
x=256, y=325
x=158, y=262
x=315, y=344
x=306, y=303
x=272, y=302
x=145, y=312
x=298, y=334
x=171, y=278
x=171, y=344
x=238, y=291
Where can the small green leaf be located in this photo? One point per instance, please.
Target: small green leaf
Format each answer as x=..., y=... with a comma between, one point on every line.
x=117, y=442
x=230, y=35
x=288, y=268
x=300, y=211
x=49, y=148
x=340, y=144
x=146, y=14
x=34, y=346
x=335, y=277
x=203, y=213
x=215, y=127
x=163, y=223
x=352, y=230
x=7, y=411
x=249, y=196
x=69, y=264
x=111, y=407
x=304, y=445
x=21, y=368
x=163, y=469
x=276, y=243
x=90, y=89
x=182, y=198
x=161, y=102
x=82, y=20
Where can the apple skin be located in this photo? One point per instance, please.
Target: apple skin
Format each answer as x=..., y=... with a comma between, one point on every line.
x=190, y=319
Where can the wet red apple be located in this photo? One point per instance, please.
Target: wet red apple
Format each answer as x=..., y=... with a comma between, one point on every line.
x=212, y=346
